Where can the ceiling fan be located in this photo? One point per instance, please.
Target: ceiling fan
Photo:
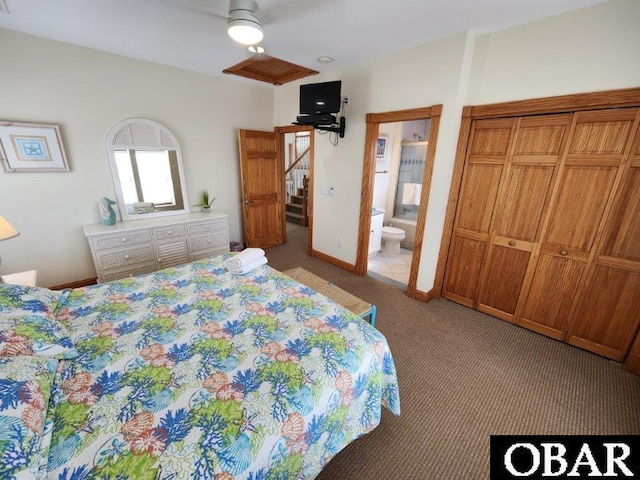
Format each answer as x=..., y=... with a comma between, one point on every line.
x=243, y=24
x=245, y=19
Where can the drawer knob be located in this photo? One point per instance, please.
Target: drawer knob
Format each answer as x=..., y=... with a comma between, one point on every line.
x=126, y=257
x=124, y=239
x=563, y=252
x=512, y=243
x=208, y=241
x=207, y=227
x=169, y=232
x=160, y=260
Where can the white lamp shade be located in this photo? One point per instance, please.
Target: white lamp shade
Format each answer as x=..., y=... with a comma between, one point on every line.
x=6, y=230
x=245, y=32
x=243, y=25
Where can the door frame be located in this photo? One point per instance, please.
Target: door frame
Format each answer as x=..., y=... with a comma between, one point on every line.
x=373, y=121
x=280, y=147
x=628, y=97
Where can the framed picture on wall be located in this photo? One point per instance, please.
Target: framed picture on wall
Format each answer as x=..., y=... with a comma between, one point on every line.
x=381, y=147
x=31, y=147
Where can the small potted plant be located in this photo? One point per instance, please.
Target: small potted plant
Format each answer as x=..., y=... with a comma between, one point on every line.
x=205, y=201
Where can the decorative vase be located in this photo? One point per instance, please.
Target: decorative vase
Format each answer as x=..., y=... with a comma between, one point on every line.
x=206, y=208
x=106, y=212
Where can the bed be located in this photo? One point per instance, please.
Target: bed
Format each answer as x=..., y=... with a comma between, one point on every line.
x=189, y=372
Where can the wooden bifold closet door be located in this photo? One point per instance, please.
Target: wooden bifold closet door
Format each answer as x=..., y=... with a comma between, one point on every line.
x=547, y=229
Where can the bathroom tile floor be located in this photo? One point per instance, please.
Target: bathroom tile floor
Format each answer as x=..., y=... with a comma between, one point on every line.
x=395, y=267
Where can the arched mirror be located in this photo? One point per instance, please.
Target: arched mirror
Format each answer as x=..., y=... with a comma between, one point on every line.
x=146, y=165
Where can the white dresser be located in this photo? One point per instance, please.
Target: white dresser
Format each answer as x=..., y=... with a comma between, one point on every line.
x=144, y=246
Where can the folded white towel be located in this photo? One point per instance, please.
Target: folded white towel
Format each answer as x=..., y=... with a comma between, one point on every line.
x=243, y=258
x=249, y=266
x=411, y=193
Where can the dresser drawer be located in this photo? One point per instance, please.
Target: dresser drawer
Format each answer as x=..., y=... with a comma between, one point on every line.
x=164, y=233
x=208, y=242
x=208, y=253
x=170, y=254
x=146, y=245
x=121, y=240
x=125, y=257
x=207, y=226
x=129, y=272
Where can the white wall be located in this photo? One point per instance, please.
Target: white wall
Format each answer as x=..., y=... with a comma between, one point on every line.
x=86, y=92
x=394, y=170
x=592, y=49
x=381, y=183
x=417, y=77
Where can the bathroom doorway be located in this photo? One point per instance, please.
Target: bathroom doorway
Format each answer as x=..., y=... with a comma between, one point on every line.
x=398, y=165
x=400, y=161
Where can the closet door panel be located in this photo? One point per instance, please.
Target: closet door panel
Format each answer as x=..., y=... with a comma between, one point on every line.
x=486, y=156
x=503, y=281
x=581, y=201
x=461, y=280
x=541, y=137
x=520, y=212
x=602, y=133
x=491, y=137
x=623, y=239
x=549, y=313
x=480, y=187
x=527, y=185
x=595, y=153
x=478, y=196
x=608, y=313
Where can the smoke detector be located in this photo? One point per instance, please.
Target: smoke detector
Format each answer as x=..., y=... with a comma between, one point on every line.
x=324, y=59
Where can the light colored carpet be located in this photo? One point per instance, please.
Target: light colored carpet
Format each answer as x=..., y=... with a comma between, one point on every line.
x=463, y=376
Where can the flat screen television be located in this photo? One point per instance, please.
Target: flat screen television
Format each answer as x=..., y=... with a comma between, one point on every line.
x=320, y=97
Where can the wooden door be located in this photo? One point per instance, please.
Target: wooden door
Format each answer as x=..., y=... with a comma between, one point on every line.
x=262, y=178
x=486, y=157
x=607, y=316
x=524, y=193
x=589, y=172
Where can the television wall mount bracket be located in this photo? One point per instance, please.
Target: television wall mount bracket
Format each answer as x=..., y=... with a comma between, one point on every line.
x=338, y=128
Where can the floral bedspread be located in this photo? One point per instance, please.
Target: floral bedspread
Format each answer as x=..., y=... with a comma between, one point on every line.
x=193, y=372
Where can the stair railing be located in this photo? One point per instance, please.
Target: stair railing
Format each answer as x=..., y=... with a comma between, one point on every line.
x=299, y=168
x=297, y=178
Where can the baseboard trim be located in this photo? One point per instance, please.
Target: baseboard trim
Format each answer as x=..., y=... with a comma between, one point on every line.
x=422, y=296
x=334, y=261
x=79, y=284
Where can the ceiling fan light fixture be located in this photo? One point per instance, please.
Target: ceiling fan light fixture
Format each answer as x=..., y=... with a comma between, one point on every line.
x=245, y=33
x=243, y=25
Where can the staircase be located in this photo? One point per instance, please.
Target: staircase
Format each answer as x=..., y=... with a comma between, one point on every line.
x=297, y=205
x=297, y=180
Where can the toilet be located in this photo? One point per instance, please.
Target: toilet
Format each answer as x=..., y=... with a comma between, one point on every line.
x=391, y=238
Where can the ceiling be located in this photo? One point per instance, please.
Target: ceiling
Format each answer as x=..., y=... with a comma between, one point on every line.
x=191, y=34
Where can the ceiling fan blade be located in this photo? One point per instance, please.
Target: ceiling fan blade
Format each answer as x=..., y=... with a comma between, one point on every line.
x=291, y=10
x=207, y=8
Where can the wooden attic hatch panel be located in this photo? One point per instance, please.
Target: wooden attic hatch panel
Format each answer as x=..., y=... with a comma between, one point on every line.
x=269, y=69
